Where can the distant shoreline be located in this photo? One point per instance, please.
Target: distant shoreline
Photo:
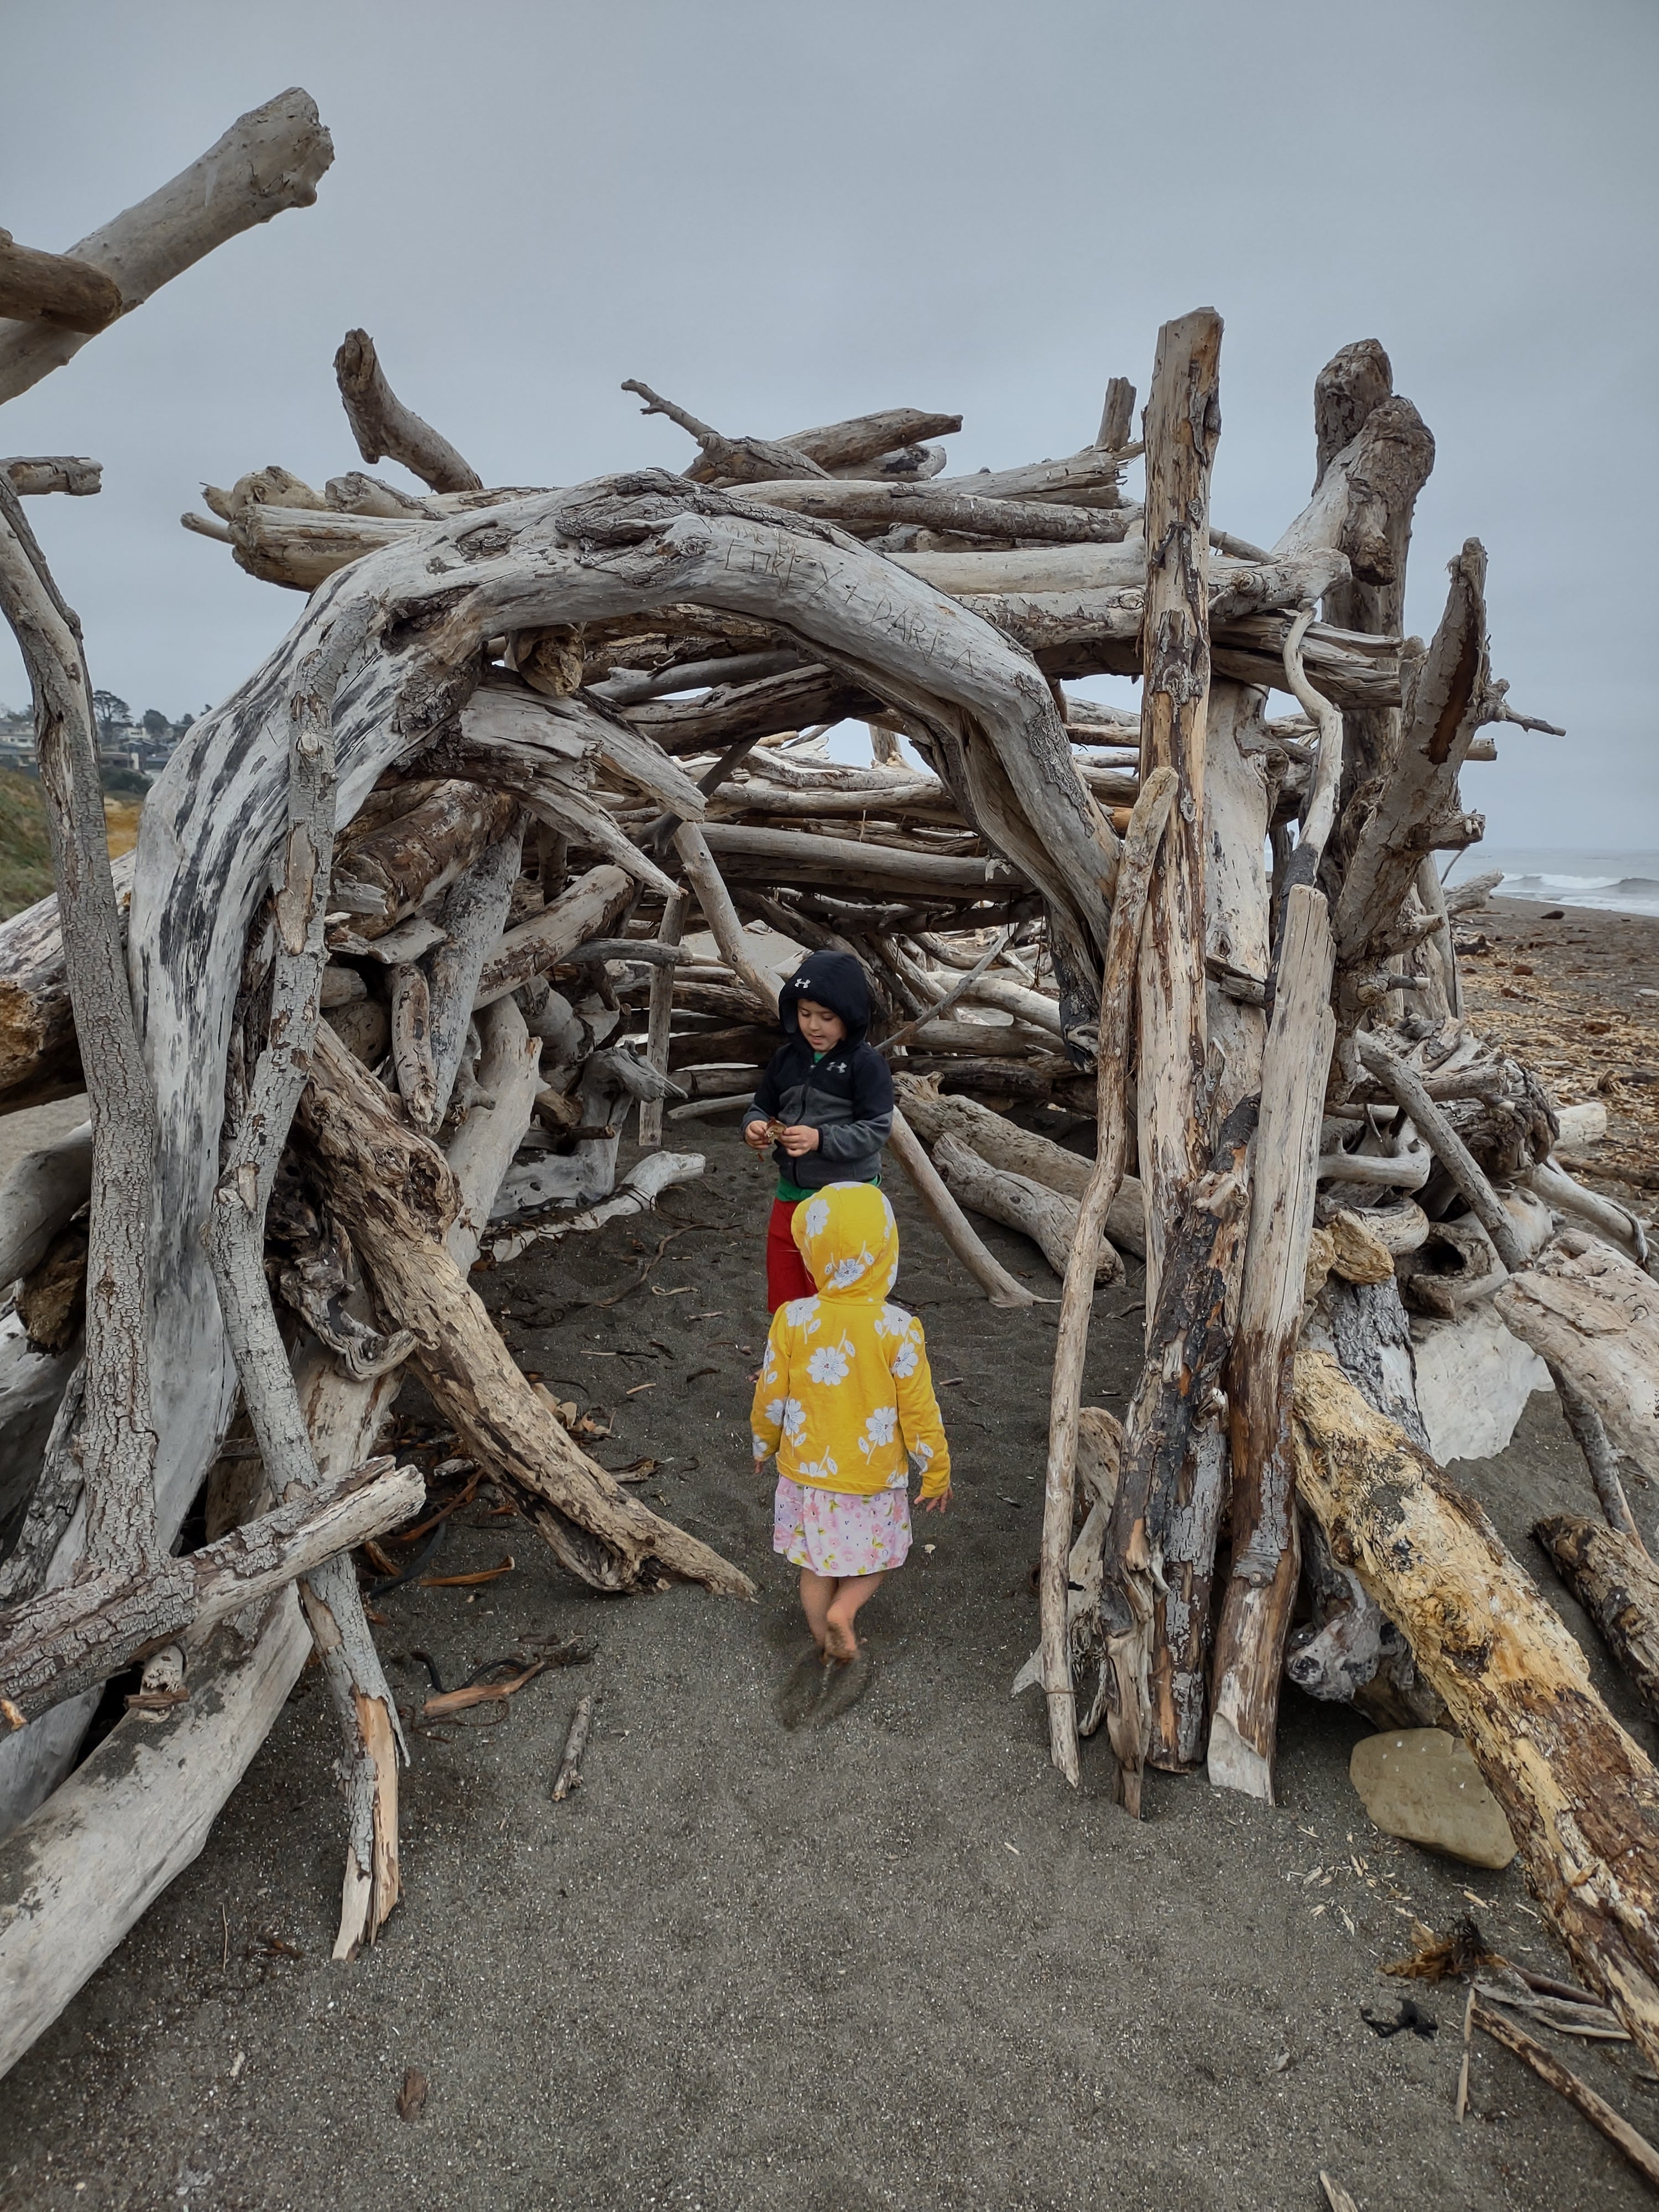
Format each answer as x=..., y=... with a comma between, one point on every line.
x=1599, y=882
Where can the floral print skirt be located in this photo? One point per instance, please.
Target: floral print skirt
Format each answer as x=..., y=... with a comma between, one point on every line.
x=837, y=1532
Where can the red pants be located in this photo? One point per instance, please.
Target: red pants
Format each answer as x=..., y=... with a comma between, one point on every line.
x=786, y=1271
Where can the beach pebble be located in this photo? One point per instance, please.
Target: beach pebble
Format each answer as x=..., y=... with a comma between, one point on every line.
x=1423, y=1785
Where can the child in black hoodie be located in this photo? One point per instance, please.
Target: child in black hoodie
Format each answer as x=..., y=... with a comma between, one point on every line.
x=828, y=1098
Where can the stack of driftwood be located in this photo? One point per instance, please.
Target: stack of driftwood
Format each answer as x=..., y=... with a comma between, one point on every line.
x=511, y=838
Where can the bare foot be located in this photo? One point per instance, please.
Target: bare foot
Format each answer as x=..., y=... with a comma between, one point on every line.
x=839, y=1641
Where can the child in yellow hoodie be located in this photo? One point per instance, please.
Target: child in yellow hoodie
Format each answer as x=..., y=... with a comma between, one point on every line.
x=844, y=1399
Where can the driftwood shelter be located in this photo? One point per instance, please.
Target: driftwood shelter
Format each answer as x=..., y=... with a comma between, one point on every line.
x=497, y=848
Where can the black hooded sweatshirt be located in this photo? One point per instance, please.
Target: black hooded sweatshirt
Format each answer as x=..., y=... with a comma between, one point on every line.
x=847, y=1095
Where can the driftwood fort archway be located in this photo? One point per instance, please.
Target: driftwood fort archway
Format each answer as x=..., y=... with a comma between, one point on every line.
x=402, y=946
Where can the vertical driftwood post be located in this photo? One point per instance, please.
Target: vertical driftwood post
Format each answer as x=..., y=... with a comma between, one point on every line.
x=661, y=1016
x=1170, y=1431
x=116, y=1444
x=1183, y=423
x=1135, y=864
x=1255, y=1615
x=1237, y=932
x=1355, y=389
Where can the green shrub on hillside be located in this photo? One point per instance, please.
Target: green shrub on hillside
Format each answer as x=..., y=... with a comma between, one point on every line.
x=25, y=854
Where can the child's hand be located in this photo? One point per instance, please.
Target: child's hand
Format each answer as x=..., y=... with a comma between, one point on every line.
x=937, y=1504
x=798, y=1139
x=758, y=1135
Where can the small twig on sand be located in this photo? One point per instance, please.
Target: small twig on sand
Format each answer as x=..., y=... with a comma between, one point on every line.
x=569, y=1775
x=1548, y=2068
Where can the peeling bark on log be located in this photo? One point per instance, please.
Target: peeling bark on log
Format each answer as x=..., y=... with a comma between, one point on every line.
x=1235, y=915
x=1581, y=1800
x=270, y=159
x=1190, y=1333
x=57, y=1646
x=420, y=852
x=1183, y=423
x=1617, y=1584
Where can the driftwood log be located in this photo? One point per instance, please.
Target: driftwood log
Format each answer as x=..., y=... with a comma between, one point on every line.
x=1615, y=1581
x=1581, y=1798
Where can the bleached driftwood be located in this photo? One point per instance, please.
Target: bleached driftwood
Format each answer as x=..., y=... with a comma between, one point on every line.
x=33, y=475
x=1182, y=421
x=78, y=1875
x=270, y=159
x=70, y=292
x=1581, y=1800
x=637, y=1193
x=383, y=427
x=1255, y=1615
x=1177, y=1396
x=1043, y=1215
x=1594, y=1316
x=657, y=1050
x=1022, y=1151
x=40, y=1192
x=393, y=1191
x=475, y=909
x=64, y=1643
x=115, y=1442
x=1142, y=840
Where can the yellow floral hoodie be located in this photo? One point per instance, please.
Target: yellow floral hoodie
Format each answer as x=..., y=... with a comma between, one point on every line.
x=845, y=1391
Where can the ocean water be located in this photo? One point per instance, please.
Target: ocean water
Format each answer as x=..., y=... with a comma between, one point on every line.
x=1616, y=883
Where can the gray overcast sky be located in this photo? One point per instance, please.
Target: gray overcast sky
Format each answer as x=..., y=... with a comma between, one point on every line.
x=783, y=213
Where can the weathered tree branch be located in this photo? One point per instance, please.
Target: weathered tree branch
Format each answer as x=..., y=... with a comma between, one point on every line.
x=117, y=1445
x=270, y=159
x=386, y=429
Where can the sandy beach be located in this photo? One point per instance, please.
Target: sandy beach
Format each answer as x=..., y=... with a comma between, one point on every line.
x=892, y=1961
x=1575, y=992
